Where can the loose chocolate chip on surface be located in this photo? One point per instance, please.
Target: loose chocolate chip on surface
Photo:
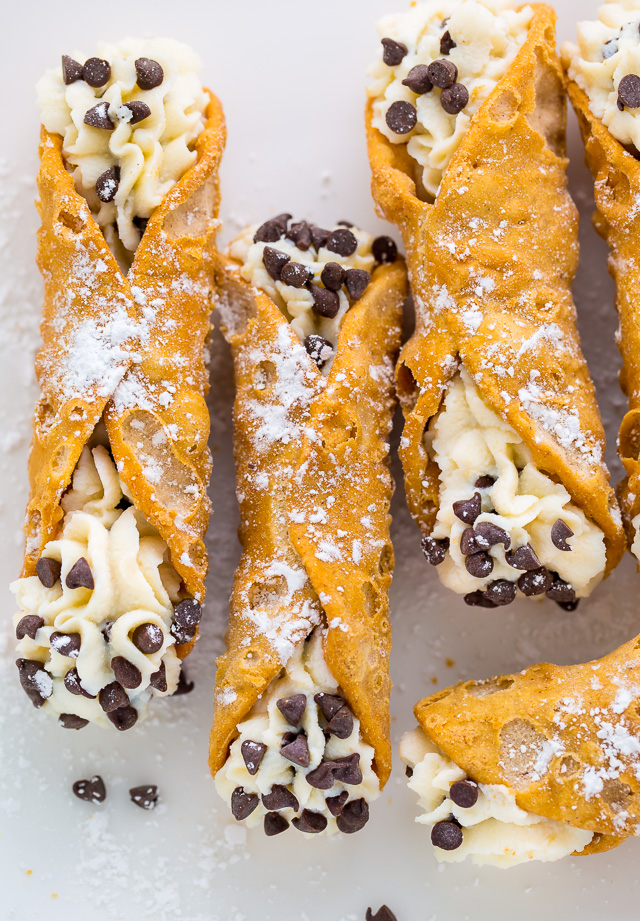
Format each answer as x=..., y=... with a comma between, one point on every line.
x=35, y=680
x=91, y=791
x=272, y=230
x=280, y=798
x=325, y=303
x=297, y=751
x=484, y=482
x=435, y=551
x=98, y=117
x=523, y=558
x=332, y=276
x=319, y=236
x=107, y=184
x=48, y=571
x=243, y=804
x=96, y=72
x=123, y=718
x=274, y=261
x=312, y=823
x=341, y=725
x=145, y=796
x=295, y=274
x=492, y=535
x=342, y=241
x=561, y=592
x=418, y=80
x=128, y=674
x=401, y=117
x=479, y=565
x=73, y=685
x=464, y=793
x=384, y=250
x=501, y=592
x=329, y=704
x=274, y=824
x=443, y=74
x=184, y=686
x=455, y=98
x=447, y=44
x=319, y=349
x=71, y=70
x=148, y=638
x=300, y=235
x=629, y=92
x=446, y=835
x=29, y=626
x=393, y=52
x=292, y=708
x=336, y=803
x=536, y=582
x=158, y=680
x=252, y=755
x=149, y=73
x=139, y=111
x=383, y=914
x=72, y=721
x=356, y=282
x=67, y=644
x=560, y=532
x=112, y=697
x=353, y=817
x=80, y=575
x=479, y=600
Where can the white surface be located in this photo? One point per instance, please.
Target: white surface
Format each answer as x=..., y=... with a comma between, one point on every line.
x=290, y=75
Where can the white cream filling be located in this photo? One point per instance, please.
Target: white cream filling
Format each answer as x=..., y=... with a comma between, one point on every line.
x=608, y=50
x=152, y=155
x=488, y=35
x=468, y=440
x=134, y=585
x=495, y=830
x=306, y=673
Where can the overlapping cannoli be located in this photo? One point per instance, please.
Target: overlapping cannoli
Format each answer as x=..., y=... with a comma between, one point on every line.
x=604, y=88
x=503, y=443
x=301, y=725
x=113, y=580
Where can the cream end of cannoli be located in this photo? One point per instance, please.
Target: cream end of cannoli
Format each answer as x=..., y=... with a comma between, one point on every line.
x=503, y=526
x=98, y=624
x=129, y=117
x=314, y=275
x=479, y=821
x=437, y=64
x=299, y=758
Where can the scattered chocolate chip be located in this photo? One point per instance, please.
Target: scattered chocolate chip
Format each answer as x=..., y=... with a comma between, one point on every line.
x=67, y=644
x=71, y=70
x=112, y=697
x=123, y=718
x=408, y=772
x=72, y=721
x=35, y=680
x=295, y=274
x=243, y=804
x=272, y=230
x=274, y=824
x=341, y=725
x=80, y=575
x=418, y=80
x=332, y=276
x=145, y=796
x=353, y=817
x=560, y=532
x=252, y=755
x=297, y=751
x=435, y=551
x=536, y=582
x=280, y=798
x=107, y=184
x=443, y=74
x=148, y=638
x=139, y=111
x=501, y=593
x=478, y=600
x=292, y=708
x=393, y=52
x=184, y=686
x=342, y=241
x=48, y=571
x=149, y=73
x=96, y=72
x=274, y=261
x=629, y=92
x=384, y=250
x=335, y=803
x=455, y=98
x=325, y=303
x=523, y=558
x=446, y=835
x=73, y=685
x=319, y=349
x=401, y=117
x=329, y=704
x=383, y=914
x=29, y=626
x=91, y=791
x=470, y=542
x=98, y=117
x=319, y=236
x=447, y=44
x=484, y=482
x=479, y=565
x=158, y=680
x=467, y=510
x=464, y=793
x=300, y=235
x=311, y=823
x=609, y=49
x=128, y=674
x=356, y=282
x=561, y=592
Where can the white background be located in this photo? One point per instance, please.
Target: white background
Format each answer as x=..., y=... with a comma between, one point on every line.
x=290, y=75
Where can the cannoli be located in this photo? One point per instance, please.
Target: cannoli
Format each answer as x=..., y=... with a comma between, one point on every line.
x=301, y=726
x=113, y=580
x=503, y=443
x=604, y=88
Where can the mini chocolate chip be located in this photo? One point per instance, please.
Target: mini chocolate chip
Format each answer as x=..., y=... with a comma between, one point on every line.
x=322, y=777
x=112, y=697
x=383, y=914
x=484, y=482
x=569, y=605
x=96, y=72
x=332, y=276
x=184, y=686
x=292, y=708
x=72, y=721
x=393, y=52
x=312, y=823
x=139, y=111
x=35, y=680
x=408, y=772
x=107, y=184
x=560, y=532
x=447, y=44
x=145, y=796
x=443, y=74
x=280, y=798
x=319, y=349
x=478, y=600
x=356, y=282
x=106, y=630
x=272, y=230
x=446, y=835
x=609, y=49
x=29, y=626
x=345, y=223
x=188, y=612
x=295, y=274
x=148, y=638
x=67, y=644
x=435, y=551
x=325, y=303
x=274, y=824
x=149, y=73
x=73, y=685
x=243, y=804
x=401, y=117
x=535, y=582
x=300, y=235
x=384, y=250
x=467, y=510
x=418, y=80
x=158, y=680
x=123, y=718
x=98, y=117
x=335, y=803
x=479, y=565
x=252, y=755
x=124, y=503
x=128, y=674
x=489, y=533
x=470, y=542
x=454, y=99
x=523, y=558
x=274, y=261
x=347, y=769
x=342, y=241
x=71, y=70
x=353, y=817
x=464, y=793
x=91, y=791
x=561, y=592
x=319, y=236
x=629, y=92
x=501, y=592
x=297, y=751
x=48, y=571
x=80, y=575
x=341, y=725
x=329, y=704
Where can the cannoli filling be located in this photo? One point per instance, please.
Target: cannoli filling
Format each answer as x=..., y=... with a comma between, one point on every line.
x=437, y=64
x=129, y=119
x=313, y=275
x=480, y=821
x=299, y=758
x=503, y=526
x=98, y=624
